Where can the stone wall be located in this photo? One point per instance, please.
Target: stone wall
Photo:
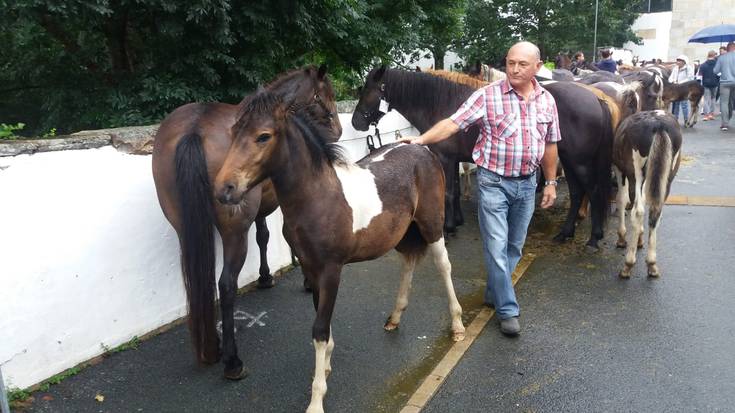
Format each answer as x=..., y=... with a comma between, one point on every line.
x=690, y=16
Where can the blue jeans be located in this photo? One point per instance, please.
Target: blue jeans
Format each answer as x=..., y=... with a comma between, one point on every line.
x=505, y=208
x=684, y=106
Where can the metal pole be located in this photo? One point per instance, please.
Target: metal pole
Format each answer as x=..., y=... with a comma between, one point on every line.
x=594, y=45
x=649, y=6
x=4, y=406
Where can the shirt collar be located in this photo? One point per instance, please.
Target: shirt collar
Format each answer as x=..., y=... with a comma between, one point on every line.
x=506, y=87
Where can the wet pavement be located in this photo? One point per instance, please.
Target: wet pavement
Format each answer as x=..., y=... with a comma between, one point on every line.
x=590, y=341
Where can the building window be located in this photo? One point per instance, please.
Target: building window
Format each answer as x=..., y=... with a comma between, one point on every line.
x=654, y=6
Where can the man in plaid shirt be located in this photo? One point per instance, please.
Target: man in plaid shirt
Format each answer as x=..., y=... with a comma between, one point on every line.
x=519, y=128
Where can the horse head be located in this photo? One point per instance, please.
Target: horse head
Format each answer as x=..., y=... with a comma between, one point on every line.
x=368, y=110
x=309, y=86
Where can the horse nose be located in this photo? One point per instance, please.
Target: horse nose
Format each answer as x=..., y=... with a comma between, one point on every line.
x=225, y=195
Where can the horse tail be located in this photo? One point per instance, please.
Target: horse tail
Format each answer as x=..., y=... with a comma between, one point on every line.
x=658, y=170
x=603, y=179
x=196, y=239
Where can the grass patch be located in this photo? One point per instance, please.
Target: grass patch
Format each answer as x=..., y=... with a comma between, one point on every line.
x=130, y=345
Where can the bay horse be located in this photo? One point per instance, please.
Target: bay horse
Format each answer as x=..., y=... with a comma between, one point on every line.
x=585, y=121
x=423, y=99
x=189, y=149
x=691, y=91
x=646, y=157
x=337, y=212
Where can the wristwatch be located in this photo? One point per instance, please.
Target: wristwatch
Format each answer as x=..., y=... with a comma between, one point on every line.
x=552, y=182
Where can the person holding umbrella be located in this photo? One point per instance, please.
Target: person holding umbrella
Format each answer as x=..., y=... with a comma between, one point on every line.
x=710, y=81
x=725, y=66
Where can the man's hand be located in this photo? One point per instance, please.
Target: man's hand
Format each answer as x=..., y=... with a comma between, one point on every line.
x=411, y=139
x=549, y=196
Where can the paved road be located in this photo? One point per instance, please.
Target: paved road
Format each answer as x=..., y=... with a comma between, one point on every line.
x=591, y=342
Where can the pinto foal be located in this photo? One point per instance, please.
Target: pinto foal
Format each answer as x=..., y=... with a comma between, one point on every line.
x=337, y=212
x=646, y=156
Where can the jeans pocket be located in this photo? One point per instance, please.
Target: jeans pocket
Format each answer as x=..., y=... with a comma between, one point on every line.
x=486, y=178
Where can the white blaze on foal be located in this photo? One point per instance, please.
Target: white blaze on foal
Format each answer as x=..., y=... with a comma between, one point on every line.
x=361, y=194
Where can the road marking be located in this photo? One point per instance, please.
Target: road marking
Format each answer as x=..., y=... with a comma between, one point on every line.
x=719, y=201
x=441, y=371
x=244, y=315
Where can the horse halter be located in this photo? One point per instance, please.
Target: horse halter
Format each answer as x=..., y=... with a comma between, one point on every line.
x=366, y=114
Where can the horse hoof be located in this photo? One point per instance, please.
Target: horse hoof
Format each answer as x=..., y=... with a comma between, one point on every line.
x=624, y=274
x=621, y=244
x=266, y=282
x=307, y=286
x=458, y=336
x=235, y=374
x=390, y=326
x=653, y=271
x=654, y=274
x=591, y=249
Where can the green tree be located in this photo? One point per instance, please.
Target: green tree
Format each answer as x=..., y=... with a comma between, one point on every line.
x=78, y=64
x=554, y=25
x=441, y=26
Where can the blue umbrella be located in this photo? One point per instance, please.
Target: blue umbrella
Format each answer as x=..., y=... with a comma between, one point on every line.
x=715, y=34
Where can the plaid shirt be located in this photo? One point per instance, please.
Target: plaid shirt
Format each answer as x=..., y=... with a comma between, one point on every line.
x=513, y=133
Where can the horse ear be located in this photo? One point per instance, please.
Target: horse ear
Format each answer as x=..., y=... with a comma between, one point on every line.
x=418, y=68
x=322, y=71
x=379, y=73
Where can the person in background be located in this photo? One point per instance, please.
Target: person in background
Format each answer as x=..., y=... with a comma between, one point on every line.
x=607, y=63
x=725, y=66
x=723, y=50
x=710, y=81
x=681, y=73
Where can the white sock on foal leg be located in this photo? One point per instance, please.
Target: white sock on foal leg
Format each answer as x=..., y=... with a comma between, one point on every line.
x=441, y=260
x=407, y=268
x=319, y=385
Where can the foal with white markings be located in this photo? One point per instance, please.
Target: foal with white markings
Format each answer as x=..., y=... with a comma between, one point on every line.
x=646, y=156
x=336, y=212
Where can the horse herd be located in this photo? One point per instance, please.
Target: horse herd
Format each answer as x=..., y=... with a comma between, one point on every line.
x=225, y=166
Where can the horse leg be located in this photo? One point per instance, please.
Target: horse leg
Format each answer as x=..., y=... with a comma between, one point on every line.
x=654, y=217
x=441, y=260
x=621, y=203
x=458, y=216
x=575, y=199
x=234, y=245
x=327, y=286
x=262, y=235
x=636, y=219
x=467, y=181
x=407, y=268
x=694, y=115
x=450, y=171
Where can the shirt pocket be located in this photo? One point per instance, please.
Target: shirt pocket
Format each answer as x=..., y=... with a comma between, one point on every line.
x=506, y=127
x=543, y=123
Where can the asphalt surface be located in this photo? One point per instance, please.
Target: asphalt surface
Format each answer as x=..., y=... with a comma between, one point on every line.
x=590, y=341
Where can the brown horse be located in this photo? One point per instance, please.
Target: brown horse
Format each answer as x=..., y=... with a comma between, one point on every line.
x=189, y=149
x=336, y=212
x=691, y=91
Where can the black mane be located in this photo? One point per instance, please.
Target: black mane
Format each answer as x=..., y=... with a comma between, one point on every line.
x=424, y=90
x=317, y=132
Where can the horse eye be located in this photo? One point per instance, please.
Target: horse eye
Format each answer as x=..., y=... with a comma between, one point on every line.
x=263, y=138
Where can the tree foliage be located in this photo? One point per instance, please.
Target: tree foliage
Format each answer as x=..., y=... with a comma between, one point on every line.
x=492, y=26
x=78, y=64
x=440, y=26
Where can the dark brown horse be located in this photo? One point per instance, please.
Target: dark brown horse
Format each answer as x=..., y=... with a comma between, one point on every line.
x=189, y=149
x=691, y=91
x=336, y=212
x=423, y=99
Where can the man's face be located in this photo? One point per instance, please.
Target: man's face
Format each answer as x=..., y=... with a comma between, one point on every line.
x=680, y=63
x=521, y=66
x=581, y=58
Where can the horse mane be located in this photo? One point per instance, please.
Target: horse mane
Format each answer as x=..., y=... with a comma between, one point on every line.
x=458, y=77
x=425, y=90
x=611, y=104
x=318, y=134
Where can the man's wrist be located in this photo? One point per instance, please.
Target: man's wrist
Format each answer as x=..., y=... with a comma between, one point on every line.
x=553, y=182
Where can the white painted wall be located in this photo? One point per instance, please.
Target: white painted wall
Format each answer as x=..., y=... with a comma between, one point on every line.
x=653, y=48
x=87, y=258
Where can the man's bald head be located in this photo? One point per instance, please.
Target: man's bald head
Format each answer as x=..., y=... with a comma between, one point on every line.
x=526, y=48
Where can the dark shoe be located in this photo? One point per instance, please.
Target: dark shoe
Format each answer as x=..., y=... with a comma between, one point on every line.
x=723, y=128
x=510, y=326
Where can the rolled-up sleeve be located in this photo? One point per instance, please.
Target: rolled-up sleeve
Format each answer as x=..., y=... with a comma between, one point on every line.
x=471, y=111
x=553, y=135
